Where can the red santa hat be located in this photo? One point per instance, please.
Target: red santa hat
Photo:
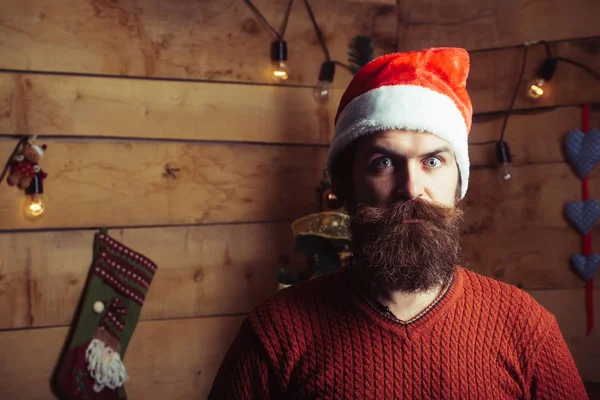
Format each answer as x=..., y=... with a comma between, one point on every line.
x=422, y=91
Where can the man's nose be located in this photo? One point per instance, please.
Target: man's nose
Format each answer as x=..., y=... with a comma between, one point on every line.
x=409, y=182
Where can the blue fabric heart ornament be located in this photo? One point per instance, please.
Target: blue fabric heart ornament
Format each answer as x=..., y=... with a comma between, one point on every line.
x=583, y=214
x=582, y=150
x=586, y=267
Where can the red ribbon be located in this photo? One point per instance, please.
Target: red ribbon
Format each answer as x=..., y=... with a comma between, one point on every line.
x=587, y=239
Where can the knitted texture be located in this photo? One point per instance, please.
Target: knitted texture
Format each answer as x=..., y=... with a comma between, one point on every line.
x=482, y=339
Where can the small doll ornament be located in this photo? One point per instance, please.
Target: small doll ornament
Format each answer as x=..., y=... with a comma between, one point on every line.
x=24, y=167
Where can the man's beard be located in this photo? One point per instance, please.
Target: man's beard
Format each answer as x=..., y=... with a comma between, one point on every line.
x=413, y=256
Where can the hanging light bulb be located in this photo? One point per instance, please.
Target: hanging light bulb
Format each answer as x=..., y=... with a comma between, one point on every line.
x=279, y=60
x=322, y=90
x=505, y=170
x=538, y=86
x=34, y=201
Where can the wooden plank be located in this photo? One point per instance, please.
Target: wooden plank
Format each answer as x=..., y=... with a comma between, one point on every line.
x=112, y=107
x=483, y=24
x=530, y=259
x=494, y=75
x=568, y=306
x=177, y=39
x=533, y=138
x=534, y=199
x=203, y=270
x=215, y=270
x=104, y=183
x=122, y=184
x=130, y=108
x=176, y=359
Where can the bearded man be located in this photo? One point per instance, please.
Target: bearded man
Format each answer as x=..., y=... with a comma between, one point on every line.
x=404, y=320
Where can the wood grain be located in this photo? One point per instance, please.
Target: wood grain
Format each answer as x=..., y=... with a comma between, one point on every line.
x=533, y=137
x=162, y=365
x=203, y=270
x=220, y=41
x=106, y=183
x=216, y=270
x=481, y=24
x=532, y=200
x=176, y=359
x=121, y=184
x=134, y=108
x=531, y=259
x=494, y=75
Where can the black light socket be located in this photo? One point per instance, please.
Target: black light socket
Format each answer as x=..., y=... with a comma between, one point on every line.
x=279, y=51
x=547, y=70
x=327, y=71
x=503, y=153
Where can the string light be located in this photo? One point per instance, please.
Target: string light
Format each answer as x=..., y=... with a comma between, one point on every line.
x=322, y=90
x=535, y=90
x=279, y=56
x=34, y=203
x=504, y=158
x=538, y=87
x=279, y=60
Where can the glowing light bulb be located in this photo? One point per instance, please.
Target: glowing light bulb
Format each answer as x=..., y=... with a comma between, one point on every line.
x=34, y=200
x=321, y=91
x=279, y=65
x=280, y=70
x=536, y=88
x=505, y=171
x=34, y=205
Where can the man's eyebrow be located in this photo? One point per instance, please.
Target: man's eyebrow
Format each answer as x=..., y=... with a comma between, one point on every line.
x=443, y=149
x=376, y=149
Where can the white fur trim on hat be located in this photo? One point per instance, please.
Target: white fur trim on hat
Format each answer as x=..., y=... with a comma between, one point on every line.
x=409, y=107
x=38, y=149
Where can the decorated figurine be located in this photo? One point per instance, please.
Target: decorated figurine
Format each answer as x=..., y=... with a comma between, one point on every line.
x=24, y=166
x=322, y=237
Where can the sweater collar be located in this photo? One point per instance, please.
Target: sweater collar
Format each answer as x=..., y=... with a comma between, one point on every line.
x=423, y=322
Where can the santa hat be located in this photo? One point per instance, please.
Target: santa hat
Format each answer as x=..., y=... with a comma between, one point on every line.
x=39, y=149
x=422, y=91
x=112, y=323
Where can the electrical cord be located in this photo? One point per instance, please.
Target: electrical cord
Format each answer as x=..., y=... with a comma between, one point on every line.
x=318, y=31
x=343, y=65
x=276, y=35
x=589, y=70
x=515, y=93
x=285, y=20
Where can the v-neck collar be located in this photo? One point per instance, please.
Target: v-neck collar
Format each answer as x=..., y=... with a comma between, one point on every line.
x=421, y=323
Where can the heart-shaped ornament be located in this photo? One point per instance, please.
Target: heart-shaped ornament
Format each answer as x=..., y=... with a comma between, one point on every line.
x=582, y=150
x=586, y=267
x=583, y=214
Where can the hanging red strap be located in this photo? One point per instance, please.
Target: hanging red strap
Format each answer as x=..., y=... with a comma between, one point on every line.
x=587, y=239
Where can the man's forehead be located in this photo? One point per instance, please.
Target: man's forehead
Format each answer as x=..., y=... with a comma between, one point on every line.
x=405, y=142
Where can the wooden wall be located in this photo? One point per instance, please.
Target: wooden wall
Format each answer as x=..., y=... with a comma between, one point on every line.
x=121, y=89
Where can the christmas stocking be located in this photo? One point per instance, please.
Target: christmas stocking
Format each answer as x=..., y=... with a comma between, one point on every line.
x=91, y=366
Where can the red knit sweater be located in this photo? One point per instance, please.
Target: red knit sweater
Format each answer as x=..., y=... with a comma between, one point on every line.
x=481, y=339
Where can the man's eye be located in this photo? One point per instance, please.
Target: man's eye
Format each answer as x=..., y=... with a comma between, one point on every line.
x=382, y=162
x=433, y=162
